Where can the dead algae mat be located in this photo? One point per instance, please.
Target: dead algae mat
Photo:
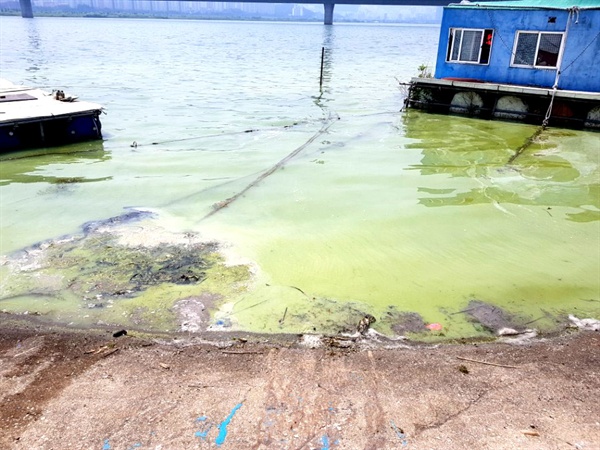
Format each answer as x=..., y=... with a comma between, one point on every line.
x=62, y=389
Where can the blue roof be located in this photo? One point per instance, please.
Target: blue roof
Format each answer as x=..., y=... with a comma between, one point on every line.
x=530, y=4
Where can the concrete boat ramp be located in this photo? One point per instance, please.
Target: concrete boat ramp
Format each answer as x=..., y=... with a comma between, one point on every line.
x=90, y=390
x=32, y=117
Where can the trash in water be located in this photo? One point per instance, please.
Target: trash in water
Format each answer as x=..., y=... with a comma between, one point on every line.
x=403, y=322
x=365, y=323
x=493, y=318
x=434, y=326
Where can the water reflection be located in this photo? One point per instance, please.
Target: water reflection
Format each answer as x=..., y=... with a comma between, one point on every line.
x=548, y=173
x=328, y=44
x=27, y=166
x=35, y=55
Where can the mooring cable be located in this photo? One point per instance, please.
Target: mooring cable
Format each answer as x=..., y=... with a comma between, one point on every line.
x=135, y=144
x=574, y=11
x=530, y=140
x=208, y=188
x=229, y=180
x=223, y=204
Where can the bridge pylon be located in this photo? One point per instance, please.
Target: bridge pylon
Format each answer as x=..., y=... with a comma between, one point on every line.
x=328, y=13
x=26, y=9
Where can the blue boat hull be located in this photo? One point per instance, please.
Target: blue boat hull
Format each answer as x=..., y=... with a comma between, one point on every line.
x=51, y=131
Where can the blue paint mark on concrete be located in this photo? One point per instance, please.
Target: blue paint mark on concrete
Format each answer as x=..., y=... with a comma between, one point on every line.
x=204, y=429
x=400, y=433
x=223, y=427
x=325, y=441
x=202, y=434
x=106, y=445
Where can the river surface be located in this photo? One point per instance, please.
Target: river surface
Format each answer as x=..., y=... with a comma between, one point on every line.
x=393, y=212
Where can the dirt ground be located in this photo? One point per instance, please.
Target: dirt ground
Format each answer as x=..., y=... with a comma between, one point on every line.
x=63, y=389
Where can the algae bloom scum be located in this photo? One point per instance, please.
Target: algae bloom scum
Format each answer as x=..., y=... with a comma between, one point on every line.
x=252, y=204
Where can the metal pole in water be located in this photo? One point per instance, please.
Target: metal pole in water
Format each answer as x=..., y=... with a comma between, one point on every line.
x=322, y=61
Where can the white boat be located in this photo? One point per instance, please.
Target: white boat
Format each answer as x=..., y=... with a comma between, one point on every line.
x=32, y=117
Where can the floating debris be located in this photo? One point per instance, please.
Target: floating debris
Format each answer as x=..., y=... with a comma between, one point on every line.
x=365, y=323
x=434, y=326
x=193, y=312
x=405, y=322
x=133, y=215
x=493, y=318
x=585, y=324
x=126, y=271
x=311, y=340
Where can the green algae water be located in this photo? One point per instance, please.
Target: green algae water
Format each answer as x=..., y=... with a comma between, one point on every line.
x=273, y=205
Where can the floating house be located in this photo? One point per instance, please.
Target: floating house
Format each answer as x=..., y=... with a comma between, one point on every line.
x=529, y=60
x=35, y=118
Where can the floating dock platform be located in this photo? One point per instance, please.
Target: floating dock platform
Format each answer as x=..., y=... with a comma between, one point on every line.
x=32, y=118
x=561, y=108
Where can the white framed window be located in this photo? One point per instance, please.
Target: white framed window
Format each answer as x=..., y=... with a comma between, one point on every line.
x=536, y=49
x=469, y=45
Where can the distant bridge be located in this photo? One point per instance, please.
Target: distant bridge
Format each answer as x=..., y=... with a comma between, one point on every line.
x=27, y=10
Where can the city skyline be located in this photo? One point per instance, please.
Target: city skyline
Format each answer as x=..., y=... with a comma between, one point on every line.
x=241, y=10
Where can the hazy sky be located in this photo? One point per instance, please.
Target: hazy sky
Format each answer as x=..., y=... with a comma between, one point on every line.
x=380, y=11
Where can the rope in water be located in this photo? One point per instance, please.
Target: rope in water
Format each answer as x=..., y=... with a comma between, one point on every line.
x=572, y=12
x=135, y=144
x=530, y=140
x=223, y=204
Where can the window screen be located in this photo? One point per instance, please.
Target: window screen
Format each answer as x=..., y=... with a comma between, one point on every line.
x=536, y=49
x=548, y=50
x=469, y=45
x=525, y=51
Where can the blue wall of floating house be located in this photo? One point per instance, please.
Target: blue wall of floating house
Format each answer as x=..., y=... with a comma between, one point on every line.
x=581, y=54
